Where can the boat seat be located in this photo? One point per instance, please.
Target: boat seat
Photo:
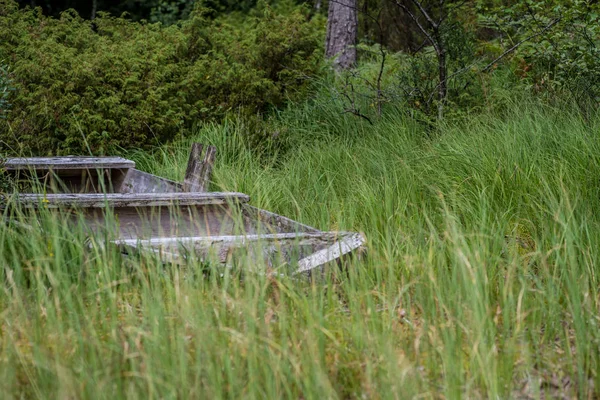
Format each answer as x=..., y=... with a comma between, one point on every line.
x=113, y=200
x=67, y=163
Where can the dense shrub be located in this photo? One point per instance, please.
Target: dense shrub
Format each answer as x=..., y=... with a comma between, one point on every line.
x=560, y=51
x=5, y=89
x=84, y=86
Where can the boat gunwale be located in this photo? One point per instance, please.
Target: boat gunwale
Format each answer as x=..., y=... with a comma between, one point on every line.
x=330, y=236
x=114, y=200
x=339, y=244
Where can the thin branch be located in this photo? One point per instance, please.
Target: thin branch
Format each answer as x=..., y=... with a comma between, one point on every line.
x=516, y=46
x=487, y=67
x=421, y=27
x=379, y=78
x=359, y=114
x=433, y=24
x=352, y=102
x=446, y=15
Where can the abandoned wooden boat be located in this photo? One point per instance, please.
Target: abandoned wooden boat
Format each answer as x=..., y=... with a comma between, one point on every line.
x=178, y=222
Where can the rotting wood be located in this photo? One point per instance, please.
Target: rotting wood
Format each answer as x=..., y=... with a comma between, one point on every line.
x=207, y=166
x=156, y=222
x=194, y=169
x=102, y=200
x=198, y=173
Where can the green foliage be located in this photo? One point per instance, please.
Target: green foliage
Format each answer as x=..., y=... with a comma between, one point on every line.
x=169, y=12
x=164, y=11
x=411, y=81
x=95, y=87
x=6, y=183
x=550, y=48
x=562, y=52
x=5, y=89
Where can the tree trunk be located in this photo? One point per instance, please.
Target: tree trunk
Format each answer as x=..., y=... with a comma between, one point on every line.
x=443, y=89
x=440, y=49
x=342, y=24
x=94, y=8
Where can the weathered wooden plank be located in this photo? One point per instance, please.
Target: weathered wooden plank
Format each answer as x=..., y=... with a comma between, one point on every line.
x=101, y=200
x=152, y=222
x=321, y=247
x=135, y=181
x=198, y=173
x=346, y=245
x=207, y=166
x=193, y=172
x=272, y=250
x=67, y=163
x=305, y=238
x=274, y=223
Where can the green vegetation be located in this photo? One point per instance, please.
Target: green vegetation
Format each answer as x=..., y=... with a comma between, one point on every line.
x=97, y=87
x=480, y=281
x=5, y=89
x=481, y=275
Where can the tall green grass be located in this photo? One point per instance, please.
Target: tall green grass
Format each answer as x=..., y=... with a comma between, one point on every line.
x=480, y=281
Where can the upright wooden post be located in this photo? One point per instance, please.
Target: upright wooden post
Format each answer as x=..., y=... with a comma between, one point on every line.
x=207, y=166
x=194, y=167
x=198, y=173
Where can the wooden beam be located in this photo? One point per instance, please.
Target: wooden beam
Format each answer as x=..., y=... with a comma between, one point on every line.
x=101, y=200
x=302, y=238
x=67, y=163
x=349, y=243
x=191, y=181
x=198, y=173
x=333, y=245
x=207, y=166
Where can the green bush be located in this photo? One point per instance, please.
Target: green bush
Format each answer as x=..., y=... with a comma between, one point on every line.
x=5, y=89
x=560, y=52
x=95, y=87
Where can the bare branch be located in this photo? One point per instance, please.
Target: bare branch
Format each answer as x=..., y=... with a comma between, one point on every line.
x=487, y=67
x=433, y=24
x=358, y=114
x=421, y=27
x=516, y=46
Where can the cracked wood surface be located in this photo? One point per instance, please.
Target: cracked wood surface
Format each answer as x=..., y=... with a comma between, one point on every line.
x=198, y=172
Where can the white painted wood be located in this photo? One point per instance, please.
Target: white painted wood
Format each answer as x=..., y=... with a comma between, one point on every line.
x=64, y=163
x=349, y=243
x=168, y=241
